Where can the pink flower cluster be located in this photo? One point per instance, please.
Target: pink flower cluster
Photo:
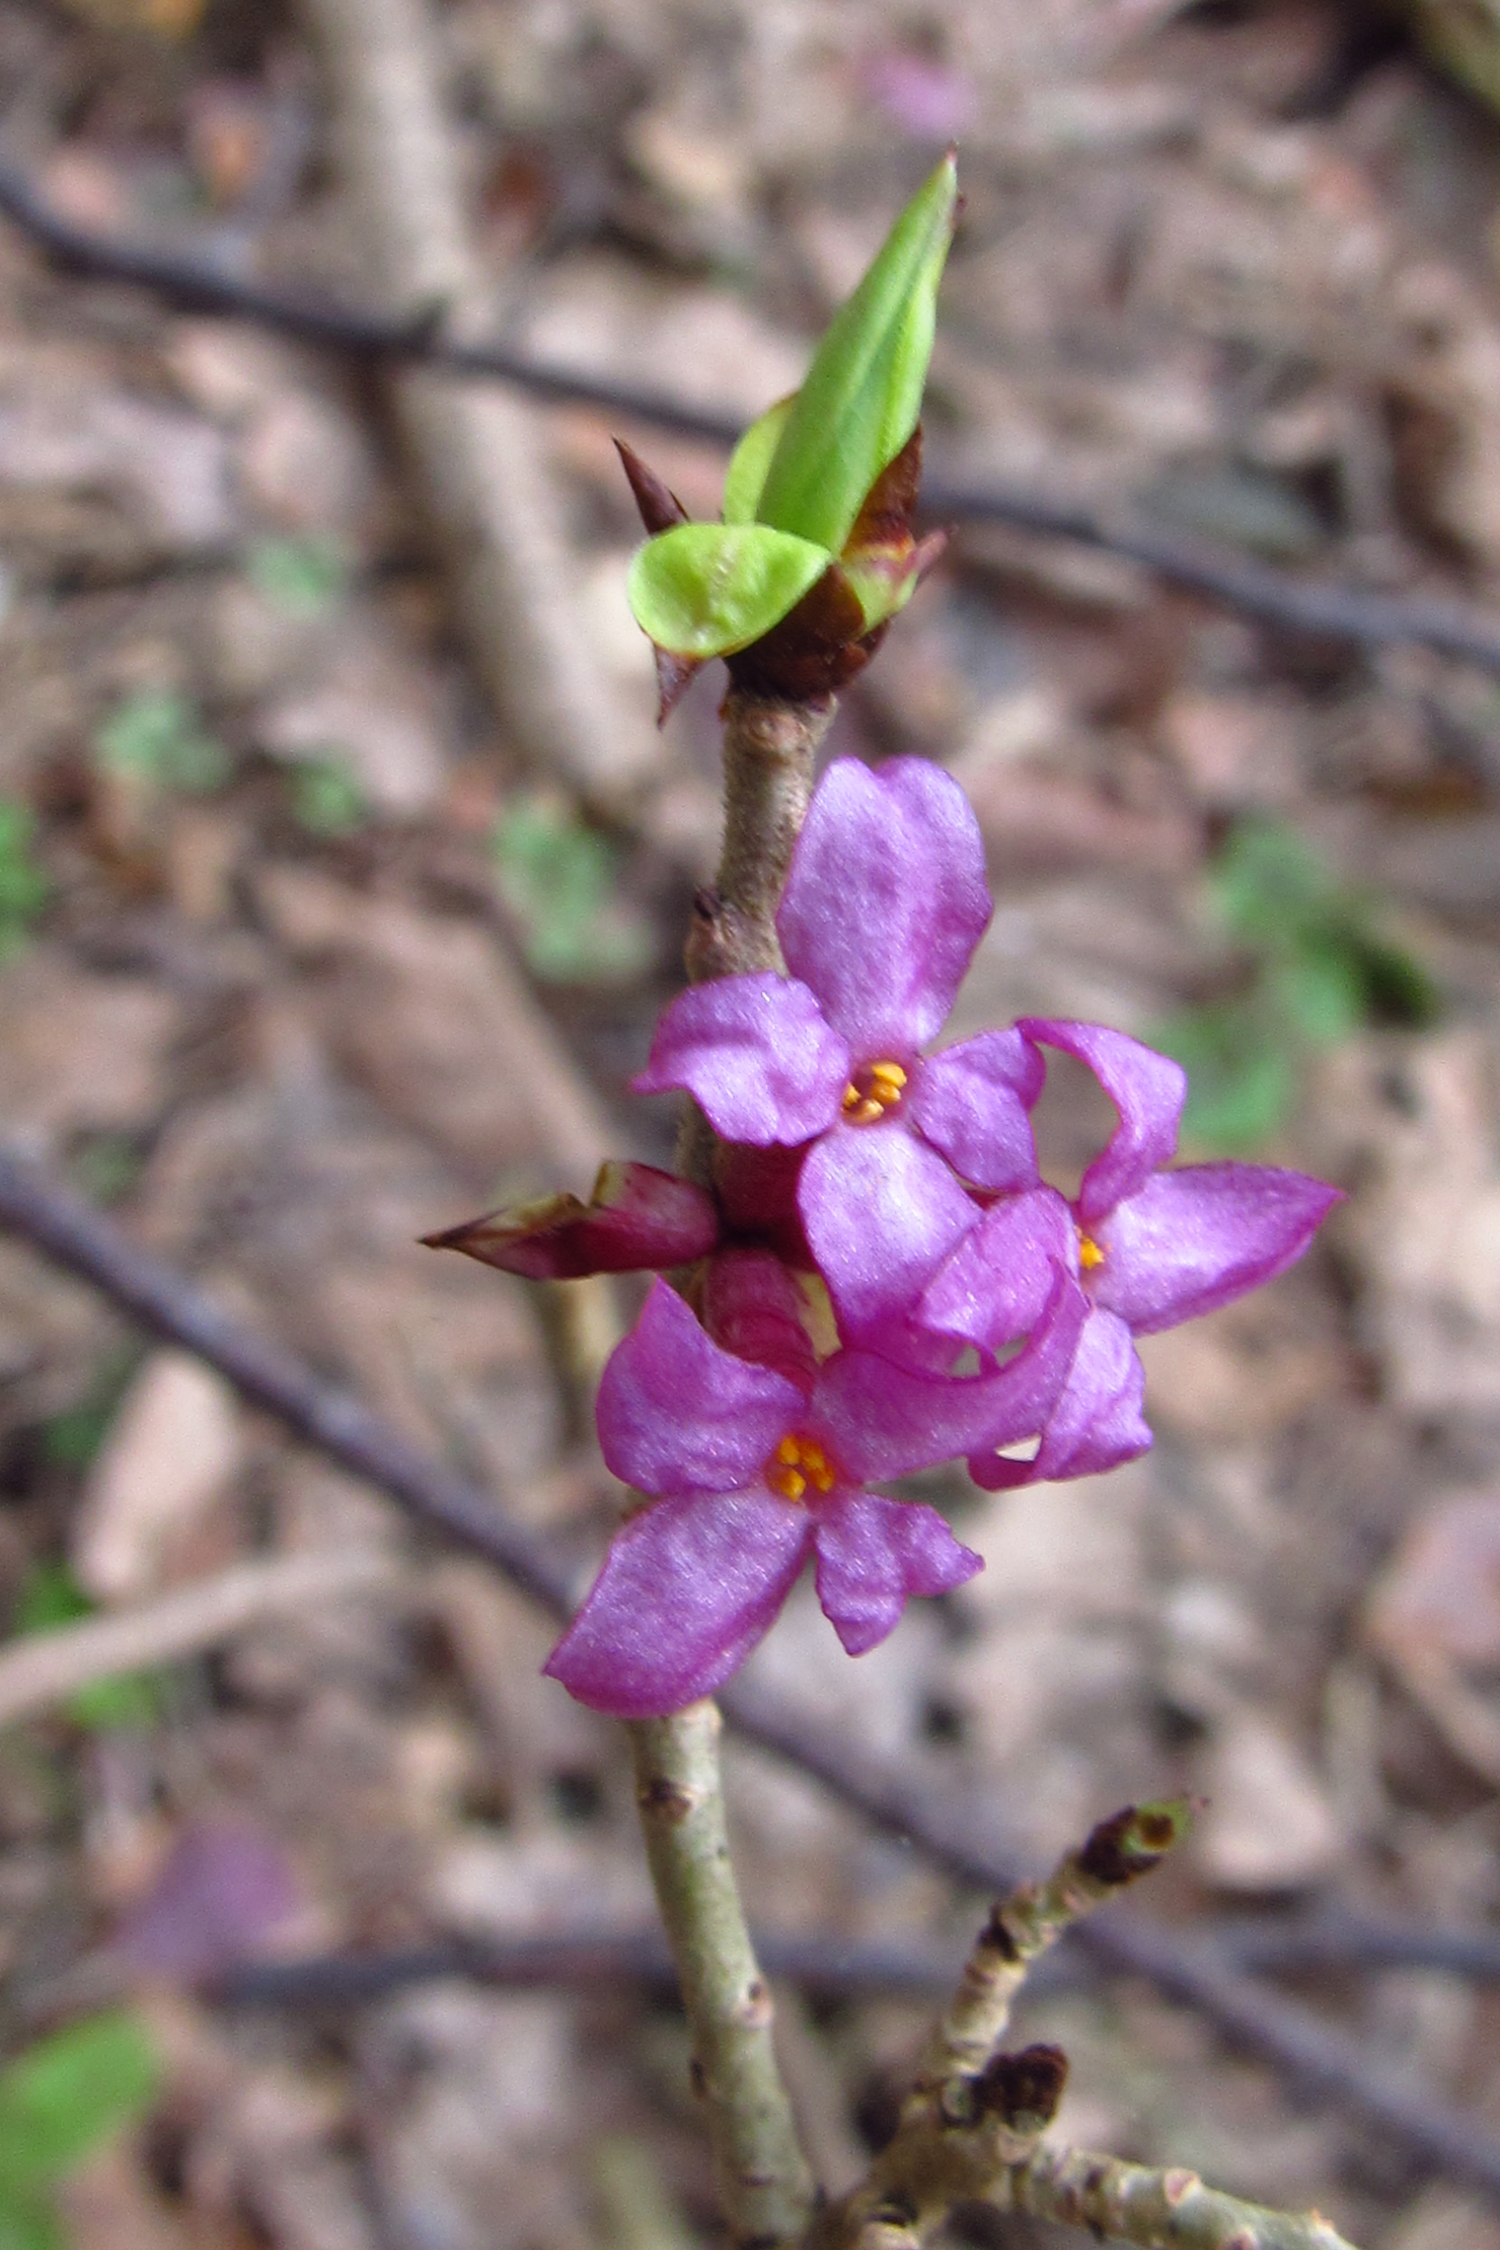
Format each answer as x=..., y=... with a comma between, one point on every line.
x=880, y=1279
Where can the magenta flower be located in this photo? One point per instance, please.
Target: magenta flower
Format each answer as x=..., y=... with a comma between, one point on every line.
x=1150, y=1248
x=753, y=1468
x=884, y=905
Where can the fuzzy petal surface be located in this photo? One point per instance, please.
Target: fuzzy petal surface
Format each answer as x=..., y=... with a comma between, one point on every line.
x=873, y=1554
x=753, y=1307
x=885, y=903
x=755, y=1054
x=687, y=1589
x=1146, y=1088
x=995, y=1285
x=1096, y=1423
x=880, y=1211
x=881, y=1420
x=677, y=1414
x=973, y=1102
x=1195, y=1238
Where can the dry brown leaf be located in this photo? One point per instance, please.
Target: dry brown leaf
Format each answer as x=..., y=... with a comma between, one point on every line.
x=172, y=1449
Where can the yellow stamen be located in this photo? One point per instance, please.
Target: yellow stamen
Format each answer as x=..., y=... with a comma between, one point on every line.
x=1089, y=1252
x=873, y=1089
x=797, y=1463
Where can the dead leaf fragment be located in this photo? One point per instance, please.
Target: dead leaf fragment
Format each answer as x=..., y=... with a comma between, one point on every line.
x=173, y=1447
x=1269, y=1825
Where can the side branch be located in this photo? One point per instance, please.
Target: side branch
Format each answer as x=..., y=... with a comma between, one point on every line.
x=764, y=2185
x=1157, y=2210
x=974, y=2112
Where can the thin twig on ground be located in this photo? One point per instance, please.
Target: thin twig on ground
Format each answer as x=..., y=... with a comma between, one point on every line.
x=42, y=1670
x=1328, y=610
x=1334, y=2064
x=479, y=454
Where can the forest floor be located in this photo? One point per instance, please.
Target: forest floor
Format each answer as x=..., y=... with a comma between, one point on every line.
x=281, y=904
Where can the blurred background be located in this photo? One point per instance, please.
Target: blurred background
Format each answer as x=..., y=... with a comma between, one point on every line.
x=342, y=874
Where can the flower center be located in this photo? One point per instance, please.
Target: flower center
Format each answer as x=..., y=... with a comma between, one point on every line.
x=1089, y=1252
x=874, y=1088
x=797, y=1463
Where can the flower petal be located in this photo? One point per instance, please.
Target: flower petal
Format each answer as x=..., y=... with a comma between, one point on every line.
x=754, y=1308
x=885, y=903
x=881, y=1420
x=687, y=1589
x=1195, y=1238
x=873, y=1553
x=1146, y=1088
x=677, y=1414
x=755, y=1054
x=637, y=1220
x=881, y=1211
x=973, y=1103
x=995, y=1285
x=1096, y=1423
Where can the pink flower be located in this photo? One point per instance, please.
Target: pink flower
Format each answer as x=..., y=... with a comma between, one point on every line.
x=756, y=1467
x=1150, y=1248
x=884, y=905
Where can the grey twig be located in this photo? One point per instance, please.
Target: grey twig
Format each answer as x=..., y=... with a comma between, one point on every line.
x=1335, y=2064
x=196, y=283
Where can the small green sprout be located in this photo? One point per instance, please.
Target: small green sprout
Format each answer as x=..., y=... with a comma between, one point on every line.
x=804, y=494
x=24, y=887
x=155, y=736
x=60, y=2099
x=558, y=878
x=327, y=799
x=1322, y=968
x=303, y=577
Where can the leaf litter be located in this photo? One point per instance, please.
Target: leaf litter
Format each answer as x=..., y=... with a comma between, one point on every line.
x=297, y=959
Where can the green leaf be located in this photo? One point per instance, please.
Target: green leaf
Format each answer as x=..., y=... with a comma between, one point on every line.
x=66, y=2094
x=327, y=799
x=745, y=477
x=558, y=877
x=28, y=2222
x=1270, y=884
x=24, y=887
x=156, y=737
x=862, y=395
x=304, y=577
x=1321, y=988
x=707, y=589
x=1242, y=1079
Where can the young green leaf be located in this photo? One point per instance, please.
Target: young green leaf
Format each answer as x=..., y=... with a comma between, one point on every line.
x=744, y=479
x=66, y=2094
x=707, y=589
x=24, y=887
x=862, y=395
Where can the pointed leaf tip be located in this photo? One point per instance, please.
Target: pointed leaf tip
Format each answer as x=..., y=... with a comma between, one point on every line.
x=863, y=393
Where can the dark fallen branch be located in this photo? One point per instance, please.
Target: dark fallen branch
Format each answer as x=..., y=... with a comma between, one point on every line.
x=194, y=283
x=953, y=1833
x=829, y=1966
x=823, y=1965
